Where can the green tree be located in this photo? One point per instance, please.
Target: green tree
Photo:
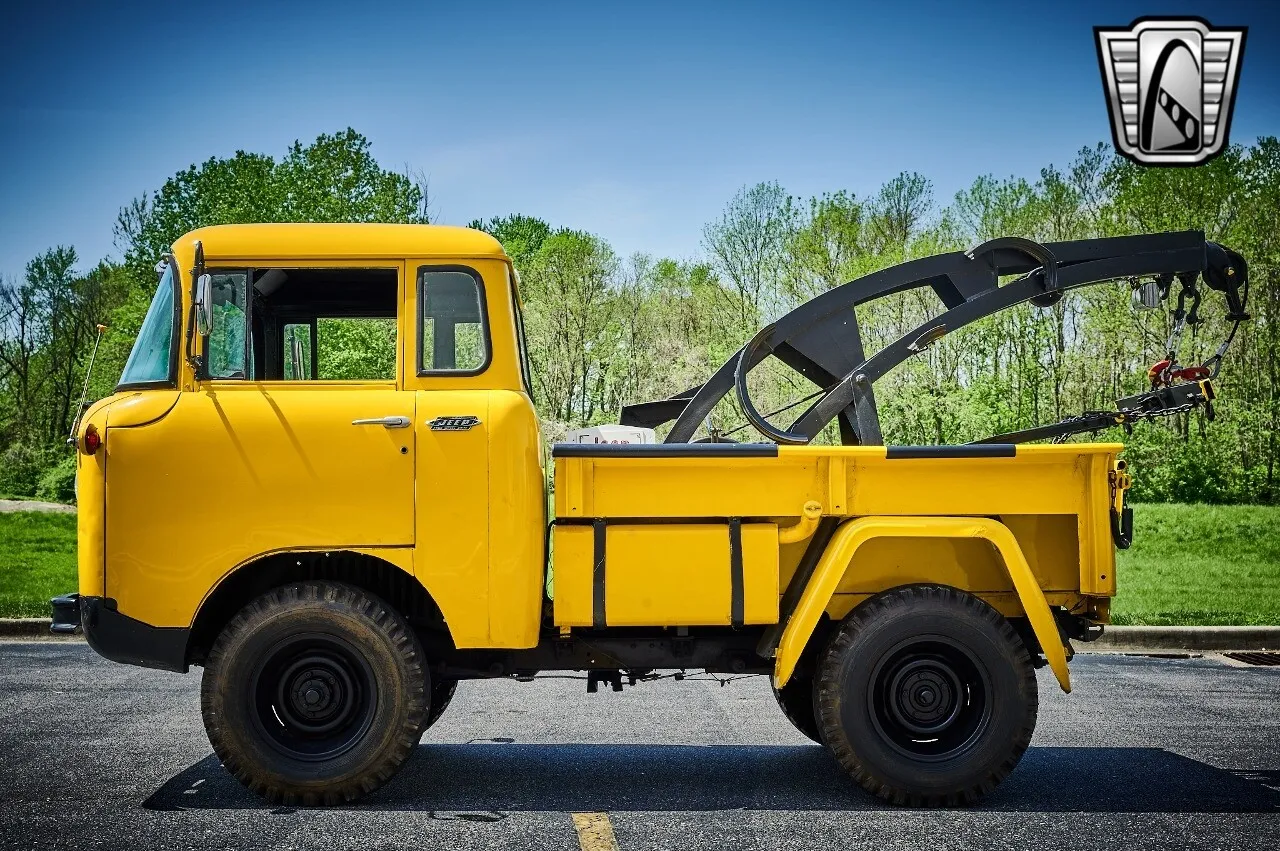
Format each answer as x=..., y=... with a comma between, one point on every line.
x=827, y=244
x=748, y=247
x=569, y=288
x=899, y=210
x=47, y=326
x=333, y=179
x=521, y=236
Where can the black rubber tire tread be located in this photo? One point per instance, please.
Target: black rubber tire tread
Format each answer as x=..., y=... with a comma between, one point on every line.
x=392, y=651
x=442, y=692
x=899, y=613
x=796, y=701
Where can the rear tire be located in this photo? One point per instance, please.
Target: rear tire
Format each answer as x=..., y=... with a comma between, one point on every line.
x=796, y=701
x=926, y=696
x=314, y=693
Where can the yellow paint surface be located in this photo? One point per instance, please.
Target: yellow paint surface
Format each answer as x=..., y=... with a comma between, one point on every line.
x=595, y=832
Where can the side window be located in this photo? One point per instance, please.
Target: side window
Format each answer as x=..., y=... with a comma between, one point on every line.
x=304, y=324
x=453, y=329
x=226, y=352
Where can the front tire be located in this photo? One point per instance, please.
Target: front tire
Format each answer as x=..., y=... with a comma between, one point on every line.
x=926, y=696
x=314, y=693
x=442, y=692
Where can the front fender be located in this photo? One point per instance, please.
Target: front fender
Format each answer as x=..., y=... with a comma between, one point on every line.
x=854, y=533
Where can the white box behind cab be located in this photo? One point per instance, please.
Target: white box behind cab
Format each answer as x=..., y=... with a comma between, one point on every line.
x=611, y=434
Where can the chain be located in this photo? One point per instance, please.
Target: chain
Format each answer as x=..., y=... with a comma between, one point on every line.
x=1122, y=418
x=1181, y=318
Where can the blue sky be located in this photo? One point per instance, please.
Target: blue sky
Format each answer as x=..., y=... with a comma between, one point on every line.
x=636, y=121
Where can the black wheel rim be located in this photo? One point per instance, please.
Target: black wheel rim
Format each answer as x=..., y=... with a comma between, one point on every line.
x=930, y=698
x=313, y=697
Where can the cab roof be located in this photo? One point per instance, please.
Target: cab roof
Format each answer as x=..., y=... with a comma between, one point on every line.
x=311, y=241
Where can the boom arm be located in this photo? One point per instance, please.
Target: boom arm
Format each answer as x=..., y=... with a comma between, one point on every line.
x=821, y=340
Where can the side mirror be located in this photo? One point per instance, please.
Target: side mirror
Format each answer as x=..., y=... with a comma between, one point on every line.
x=1146, y=296
x=204, y=304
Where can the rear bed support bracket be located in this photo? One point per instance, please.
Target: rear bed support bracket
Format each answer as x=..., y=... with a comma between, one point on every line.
x=598, y=574
x=737, y=603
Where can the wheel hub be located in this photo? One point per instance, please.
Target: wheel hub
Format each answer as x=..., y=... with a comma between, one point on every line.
x=315, y=697
x=930, y=698
x=316, y=694
x=924, y=696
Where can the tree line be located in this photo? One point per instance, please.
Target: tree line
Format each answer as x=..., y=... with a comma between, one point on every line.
x=604, y=330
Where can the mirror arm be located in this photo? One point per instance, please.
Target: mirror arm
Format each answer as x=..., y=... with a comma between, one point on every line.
x=197, y=273
x=201, y=292
x=196, y=361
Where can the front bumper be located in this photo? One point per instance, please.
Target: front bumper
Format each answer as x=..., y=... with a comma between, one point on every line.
x=118, y=637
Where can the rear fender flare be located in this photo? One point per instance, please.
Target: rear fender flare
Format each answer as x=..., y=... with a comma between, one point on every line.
x=854, y=533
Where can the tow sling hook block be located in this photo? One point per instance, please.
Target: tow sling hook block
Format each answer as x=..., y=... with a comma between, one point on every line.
x=1122, y=527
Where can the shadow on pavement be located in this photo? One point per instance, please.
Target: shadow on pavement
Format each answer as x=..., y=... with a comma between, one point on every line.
x=491, y=779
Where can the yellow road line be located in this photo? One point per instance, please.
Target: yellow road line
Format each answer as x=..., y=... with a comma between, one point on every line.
x=595, y=832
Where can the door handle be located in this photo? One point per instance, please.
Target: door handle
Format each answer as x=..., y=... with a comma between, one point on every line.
x=386, y=422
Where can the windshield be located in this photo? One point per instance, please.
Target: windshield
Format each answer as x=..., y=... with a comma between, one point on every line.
x=152, y=359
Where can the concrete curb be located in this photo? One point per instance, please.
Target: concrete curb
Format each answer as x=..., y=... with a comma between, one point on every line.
x=25, y=628
x=1116, y=639
x=1197, y=638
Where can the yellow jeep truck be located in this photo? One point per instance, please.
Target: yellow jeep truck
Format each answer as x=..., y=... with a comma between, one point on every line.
x=339, y=540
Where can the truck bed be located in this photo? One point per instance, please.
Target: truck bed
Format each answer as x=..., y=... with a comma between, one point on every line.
x=688, y=534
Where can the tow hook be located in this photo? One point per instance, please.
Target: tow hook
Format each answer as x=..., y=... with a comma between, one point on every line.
x=1122, y=527
x=1074, y=627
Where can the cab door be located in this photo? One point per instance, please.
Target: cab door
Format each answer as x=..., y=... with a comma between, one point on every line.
x=452, y=353
x=264, y=454
x=480, y=532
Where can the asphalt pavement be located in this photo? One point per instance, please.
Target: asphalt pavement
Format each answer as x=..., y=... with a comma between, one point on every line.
x=1145, y=753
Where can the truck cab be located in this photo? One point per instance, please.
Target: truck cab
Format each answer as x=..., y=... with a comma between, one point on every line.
x=354, y=388
x=321, y=479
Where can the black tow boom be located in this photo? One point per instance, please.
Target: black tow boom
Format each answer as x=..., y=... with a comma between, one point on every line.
x=821, y=339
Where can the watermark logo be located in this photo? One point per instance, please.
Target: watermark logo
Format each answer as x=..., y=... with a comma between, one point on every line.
x=1170, y=84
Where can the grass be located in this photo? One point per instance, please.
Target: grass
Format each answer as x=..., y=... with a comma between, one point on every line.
x=1201, y=564
x=37, y=561
x=1189, y=564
